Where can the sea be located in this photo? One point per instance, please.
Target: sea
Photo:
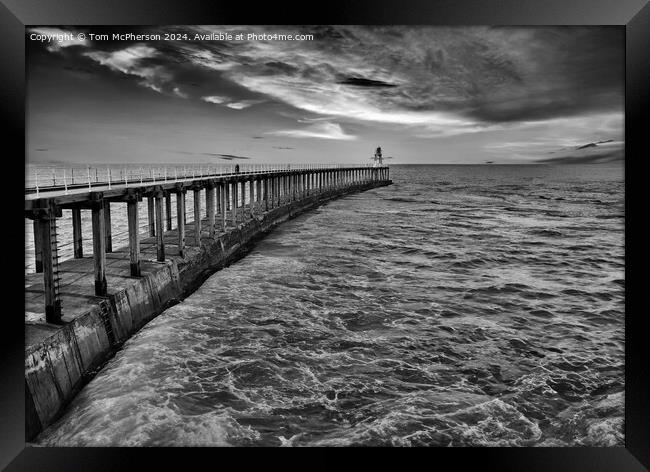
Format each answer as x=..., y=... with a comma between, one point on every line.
x=461, y=306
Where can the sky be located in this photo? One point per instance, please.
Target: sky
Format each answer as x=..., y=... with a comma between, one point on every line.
x=426, y=95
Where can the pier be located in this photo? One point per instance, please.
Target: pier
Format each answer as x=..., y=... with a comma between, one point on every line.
x=79, y=311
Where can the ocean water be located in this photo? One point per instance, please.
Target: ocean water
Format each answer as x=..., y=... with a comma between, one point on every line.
x=461, y=306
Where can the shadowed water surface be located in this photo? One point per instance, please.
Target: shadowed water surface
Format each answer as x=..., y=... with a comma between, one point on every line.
x=463, y=305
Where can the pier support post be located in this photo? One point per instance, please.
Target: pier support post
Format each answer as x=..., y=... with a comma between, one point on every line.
x=269, y=197
x=180, y=221
x=151, y=216
x=38, y=247
x=266, y=193
x=227, y=201
x=50, y=257
x=275, y=182
x=249, y=193
x=285, y=189
x=217, y=196
x=77, y=239
x=168, y=210
x=160, y=230
x=197, y=217
x=107, y=226
x=222, y=200
x=209, y=205
x=235, y=192
x=133, y=218
x=291, y=187
x=243, y=200
x=99, y=243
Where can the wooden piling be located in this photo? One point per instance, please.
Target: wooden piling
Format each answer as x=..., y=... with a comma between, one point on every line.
x=180, y=221
x=108, y=226
x=234, y=203
x=99, y=244
x=223, y=195
x=38, y=247
x=160, y=230
x=168, y=211
x=218, y=198
x=209, y=205
x=47, y=230
x=133, y=218
x=271, y=192
x=151, y=216
x=77, y=238
x=227, y=196
x=265, y=184
x=197, y=217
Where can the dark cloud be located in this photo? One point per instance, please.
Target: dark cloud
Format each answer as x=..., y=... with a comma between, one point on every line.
x=363, y=82
x=584, y=146
x=591, y=153
x=610, y=156
x=227, y=157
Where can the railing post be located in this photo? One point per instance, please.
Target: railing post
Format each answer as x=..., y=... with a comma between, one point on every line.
x=77, y=237
x=133, y=218
x=99, y=243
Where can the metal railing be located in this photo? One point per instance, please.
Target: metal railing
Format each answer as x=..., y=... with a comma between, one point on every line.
x=57, y=177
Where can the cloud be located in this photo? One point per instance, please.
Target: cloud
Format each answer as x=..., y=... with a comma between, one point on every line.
x=362, y=82
x=319, y=130
x=133, y=61
x=588, y=155
x=235, y=105
x=243, y=104
x=178, y=92
x=227, y=157
x=214, y=99
x=431, y=82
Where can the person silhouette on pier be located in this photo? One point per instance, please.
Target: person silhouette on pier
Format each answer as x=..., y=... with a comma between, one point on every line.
x=236, y=168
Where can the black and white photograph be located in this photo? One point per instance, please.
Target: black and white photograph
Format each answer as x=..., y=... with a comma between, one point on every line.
x=325, y=235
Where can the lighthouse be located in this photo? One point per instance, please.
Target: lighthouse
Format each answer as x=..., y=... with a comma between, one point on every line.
x=378, y=159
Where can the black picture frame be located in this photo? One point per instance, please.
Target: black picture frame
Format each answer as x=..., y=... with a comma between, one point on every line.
x=633, y=15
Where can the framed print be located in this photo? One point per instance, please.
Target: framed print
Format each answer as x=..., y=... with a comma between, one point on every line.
x=395, y=226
